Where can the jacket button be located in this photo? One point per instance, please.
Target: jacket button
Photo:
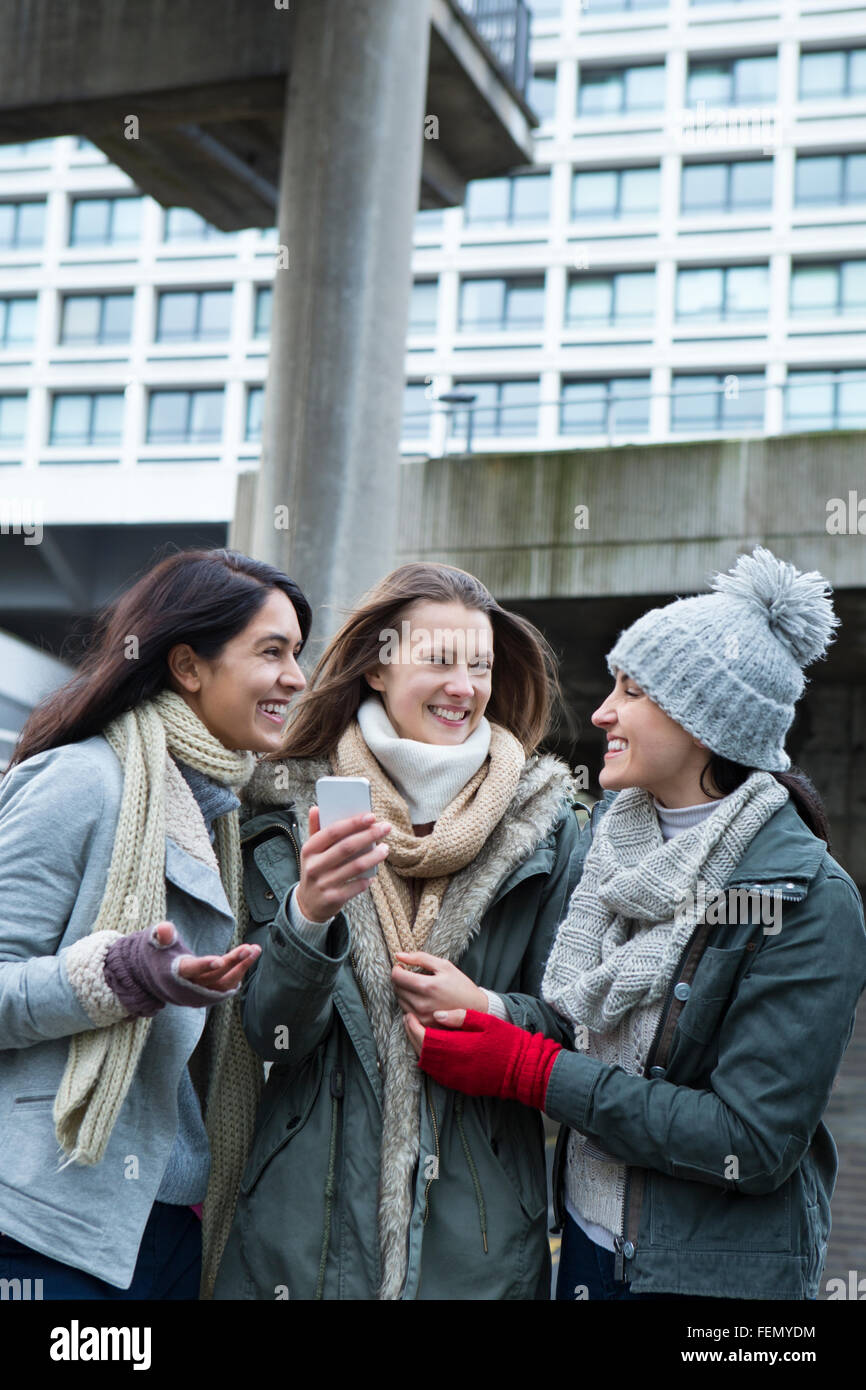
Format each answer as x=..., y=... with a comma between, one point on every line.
x=628, y=1250
x=658, y=1072
x=790, y=885
x=682, y=990
x=269, y=895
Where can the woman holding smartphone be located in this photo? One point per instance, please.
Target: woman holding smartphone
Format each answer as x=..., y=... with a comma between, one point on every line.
x=122, y=920
x=364, y=1181
x=710, y=965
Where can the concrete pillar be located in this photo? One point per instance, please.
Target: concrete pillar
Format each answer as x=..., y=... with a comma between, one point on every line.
x=350, y=174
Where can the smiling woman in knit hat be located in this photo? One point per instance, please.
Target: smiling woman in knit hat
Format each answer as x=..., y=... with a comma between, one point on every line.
x=122, y=919
x=709, y=965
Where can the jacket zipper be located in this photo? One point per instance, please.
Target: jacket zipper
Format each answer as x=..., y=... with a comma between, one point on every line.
x=436, y=1143
x=283, y=829
x=620, y=1241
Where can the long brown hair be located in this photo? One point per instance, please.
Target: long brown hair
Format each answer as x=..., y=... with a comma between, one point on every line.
x=203, y=597
x=525, y=690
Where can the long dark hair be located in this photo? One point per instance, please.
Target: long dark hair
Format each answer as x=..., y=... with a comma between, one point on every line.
x=727, y=776
x=525, y=695
x=203, y=597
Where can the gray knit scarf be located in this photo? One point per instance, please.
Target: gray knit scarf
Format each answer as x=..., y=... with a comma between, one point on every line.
x=636, y=906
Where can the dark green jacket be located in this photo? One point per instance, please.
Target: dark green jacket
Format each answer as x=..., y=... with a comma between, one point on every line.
x=730, y=1166
x=307, y=1221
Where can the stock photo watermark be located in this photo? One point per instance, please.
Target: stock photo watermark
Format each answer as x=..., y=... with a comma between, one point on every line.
x=22, y=517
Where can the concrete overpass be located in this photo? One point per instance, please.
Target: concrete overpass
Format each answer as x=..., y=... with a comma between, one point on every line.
x=658, y=521
x=334, y=119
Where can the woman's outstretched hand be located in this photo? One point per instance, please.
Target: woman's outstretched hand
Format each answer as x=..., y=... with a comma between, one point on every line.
x=441, y=986
x=486, y=1057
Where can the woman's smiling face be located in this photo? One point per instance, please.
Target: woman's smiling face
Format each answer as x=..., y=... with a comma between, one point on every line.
x=438, y=688
x=646, y=748
x=242, y=695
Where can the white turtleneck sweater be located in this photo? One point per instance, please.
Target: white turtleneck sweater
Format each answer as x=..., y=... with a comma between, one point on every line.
x=589, y=1181
x=428, y=776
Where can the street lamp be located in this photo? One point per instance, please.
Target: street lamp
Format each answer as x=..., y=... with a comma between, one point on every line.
x=468, y=399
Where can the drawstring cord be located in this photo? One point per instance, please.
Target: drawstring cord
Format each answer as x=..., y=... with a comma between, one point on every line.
x=473, y=1171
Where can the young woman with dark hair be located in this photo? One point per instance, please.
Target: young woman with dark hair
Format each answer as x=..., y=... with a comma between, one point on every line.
x=363, y=1183
x=120, y=871
x=709, y=968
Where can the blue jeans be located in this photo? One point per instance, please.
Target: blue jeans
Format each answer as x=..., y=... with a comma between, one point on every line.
x=168, y=1265
x=582, y=1263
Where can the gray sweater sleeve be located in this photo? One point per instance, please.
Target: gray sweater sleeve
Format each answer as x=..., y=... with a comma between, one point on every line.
x=49, y=808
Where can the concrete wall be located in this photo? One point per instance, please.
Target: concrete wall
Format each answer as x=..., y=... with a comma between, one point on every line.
x=661, y=520
x=660, y=517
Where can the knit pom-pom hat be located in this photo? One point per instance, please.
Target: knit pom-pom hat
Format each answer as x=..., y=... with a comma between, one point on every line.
x=728, y=666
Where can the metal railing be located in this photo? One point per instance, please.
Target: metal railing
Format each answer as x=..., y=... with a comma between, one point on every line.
x=504, y=27
x=569, y=437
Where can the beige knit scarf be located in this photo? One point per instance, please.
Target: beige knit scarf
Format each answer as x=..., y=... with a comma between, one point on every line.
x=457, y=838
x=102, y=1063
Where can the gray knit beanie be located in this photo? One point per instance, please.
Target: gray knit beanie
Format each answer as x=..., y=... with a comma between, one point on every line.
x=727, y=666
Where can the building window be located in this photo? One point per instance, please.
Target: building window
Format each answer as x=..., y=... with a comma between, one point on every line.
x=82, y=418
x=723, y=292
x=615, y=193
x=500, y=407
x=607, y=6
x=735, y=82
x=264, y=308
x=737, y=185
x=17, y=322
x=417, y=409
x=541, y=93
x=611, y=405
x=185, y=417
x=546, y=9
x=13, y=420
x=821, y=400
x=21, y=225
x=428, y=220
x=837, y=73
x=490, y=305
x=255, y=408
x=182, y=224
x=620, y=91
x=105, y=221
x=422, y=306
x=718, y=402
x=627, y=297
x=194, y=316
x=93, y=319
x=830, y=178
x=829, y=289
x=522, y=198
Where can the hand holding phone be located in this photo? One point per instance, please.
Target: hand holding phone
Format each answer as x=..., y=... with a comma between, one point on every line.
x=342, y=829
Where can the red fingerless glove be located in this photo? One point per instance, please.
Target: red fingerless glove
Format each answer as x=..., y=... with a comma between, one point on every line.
x=488, y=1057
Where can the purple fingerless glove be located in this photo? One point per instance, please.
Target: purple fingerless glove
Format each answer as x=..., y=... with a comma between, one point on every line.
x=143, y=974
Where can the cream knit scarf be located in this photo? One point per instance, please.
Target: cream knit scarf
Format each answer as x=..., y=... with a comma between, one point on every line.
x=457, y=838
x=636, y=906
x=102, y=1062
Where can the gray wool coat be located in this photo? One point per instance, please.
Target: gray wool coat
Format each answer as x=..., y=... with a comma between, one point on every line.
x=58, y=816
x=306, y=1224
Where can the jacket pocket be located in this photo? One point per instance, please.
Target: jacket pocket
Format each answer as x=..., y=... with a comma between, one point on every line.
x=698, y=1216
x=712, y=988
x=284, y=1114
x=518, y=1154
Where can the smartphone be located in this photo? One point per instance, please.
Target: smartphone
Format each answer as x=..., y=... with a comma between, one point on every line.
x=341, y=797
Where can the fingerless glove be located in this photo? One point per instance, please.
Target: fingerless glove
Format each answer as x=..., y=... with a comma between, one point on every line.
x=488, y=1057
